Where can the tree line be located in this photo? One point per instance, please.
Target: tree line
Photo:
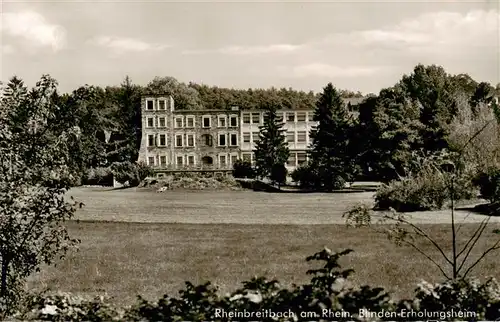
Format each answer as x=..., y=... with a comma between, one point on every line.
x=414, y=114
x=419, y=113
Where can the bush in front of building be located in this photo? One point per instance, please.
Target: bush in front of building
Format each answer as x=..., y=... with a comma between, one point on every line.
x=243, y=169
x=133, y=173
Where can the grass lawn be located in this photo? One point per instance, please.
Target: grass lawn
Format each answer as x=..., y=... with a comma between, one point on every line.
x=126, y=259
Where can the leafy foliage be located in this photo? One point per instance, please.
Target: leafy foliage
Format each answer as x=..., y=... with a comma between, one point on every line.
x=35, y=154
x=133, y=173
x=243, y=169
x=427, y=187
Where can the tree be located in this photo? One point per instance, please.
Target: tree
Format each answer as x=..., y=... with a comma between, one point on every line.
x=185, y=97
x=125, y=139
x=34, y=177
x=271, y=150
x=332, y=155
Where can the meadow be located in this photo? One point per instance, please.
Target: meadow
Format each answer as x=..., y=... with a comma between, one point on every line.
x=139, y=242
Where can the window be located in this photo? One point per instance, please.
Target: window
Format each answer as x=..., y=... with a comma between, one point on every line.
x=179, y=160
x=222, y=160
x=190, y=140
x=290, y=117
x=247, y=157
x=178, y=122
x=279, y=117
x=150, y=105
x=255, y=118
x=246, y=137
x=161, y=105
x=162, y=122
x=301, y=158
x=234, y=139
x=190, y=160
x=265, y=117
x=233, y=121
x=301, y=116
x=222, y=139
x=290, y=137
x=190, y=121
x=291, y=160
x=151, y=122
x=163, y=140
x=246, y=118
x=178, y=140
x=163, y=160
x=310, y=116
x=151, y=140
x=301, y=136
x=151, y=160
x=222, y=120
x=207, y=139
x=234, y=158
x=206, y=121
x=255, y=137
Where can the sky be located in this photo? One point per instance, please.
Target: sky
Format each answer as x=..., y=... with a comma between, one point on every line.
x=357, y=45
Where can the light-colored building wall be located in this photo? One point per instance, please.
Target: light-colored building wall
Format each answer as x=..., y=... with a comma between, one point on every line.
x=297, y=125
x=213, y=139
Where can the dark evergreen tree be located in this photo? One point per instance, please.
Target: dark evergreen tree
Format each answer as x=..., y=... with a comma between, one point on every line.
x=332, y=156
x=272, y=150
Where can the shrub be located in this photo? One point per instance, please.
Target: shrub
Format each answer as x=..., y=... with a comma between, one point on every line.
x=279, y=173
x=427, y=189
x=133, y=173
x=243, y=169
x=98, y=176
x=304, y=176
x=489, y=184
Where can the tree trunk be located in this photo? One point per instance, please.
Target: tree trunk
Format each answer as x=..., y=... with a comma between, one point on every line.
x=5, y=266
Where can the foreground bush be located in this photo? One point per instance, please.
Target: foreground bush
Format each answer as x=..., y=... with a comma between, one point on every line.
x=325, y=297
x=133, y=173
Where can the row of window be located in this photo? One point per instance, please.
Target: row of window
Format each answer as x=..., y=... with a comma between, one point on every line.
x=291, y=137
x=189, y=140
x=224, y=160
x=289, y=117
x=162, y=104
x=190, y=121
x=295, y=158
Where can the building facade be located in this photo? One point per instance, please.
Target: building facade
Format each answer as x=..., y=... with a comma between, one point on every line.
x=212, y=140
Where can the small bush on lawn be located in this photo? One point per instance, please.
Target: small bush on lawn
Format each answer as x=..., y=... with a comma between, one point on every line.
x=304, y=176
x=98, y=176
x=489, y=184
x=133, y=173
x=428, y=189
x=326, y=290
x=243, y=169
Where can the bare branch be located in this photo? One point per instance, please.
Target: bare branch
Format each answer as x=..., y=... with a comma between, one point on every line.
x=423, y=234
x=492, y=248
x=428, y=257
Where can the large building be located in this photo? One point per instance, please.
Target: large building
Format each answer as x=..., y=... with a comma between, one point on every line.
x=212, y=140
